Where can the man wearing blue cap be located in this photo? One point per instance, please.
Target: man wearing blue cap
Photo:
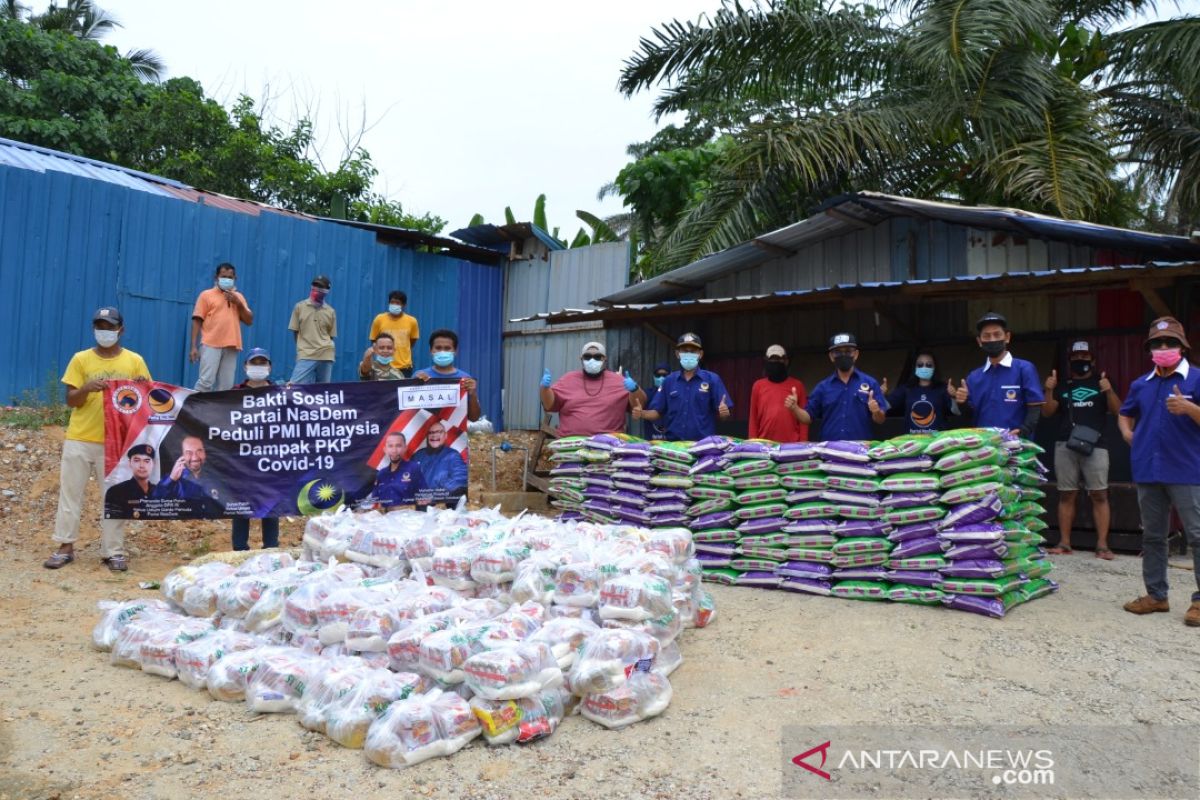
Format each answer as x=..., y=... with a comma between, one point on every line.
x=258, y=375
x=1005, y=392
x=690, y=400
x=848, y=401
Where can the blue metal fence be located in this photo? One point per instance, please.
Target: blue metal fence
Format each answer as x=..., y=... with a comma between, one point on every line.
x=70, y=243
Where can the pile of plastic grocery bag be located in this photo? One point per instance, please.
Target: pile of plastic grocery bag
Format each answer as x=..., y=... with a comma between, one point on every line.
x=411, y=634
x=951, y=519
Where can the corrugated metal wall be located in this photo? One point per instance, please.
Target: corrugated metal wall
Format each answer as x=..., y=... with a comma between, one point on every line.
x=570, y=279
x=69, y=244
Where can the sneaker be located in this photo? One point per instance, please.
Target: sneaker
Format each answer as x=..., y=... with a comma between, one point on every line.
x=118, y=563
x=1192, y=617
x=1149, y=605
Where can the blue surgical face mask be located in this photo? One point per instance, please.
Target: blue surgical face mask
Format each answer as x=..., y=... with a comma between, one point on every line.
x=924, y=373
x=395, y=309
x=443, y=358
x=689, y=361
x=659, y=379
x=225, y=283
x=385, y=360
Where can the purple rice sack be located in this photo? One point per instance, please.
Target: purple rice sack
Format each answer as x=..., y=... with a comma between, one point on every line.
x=987, y=606
x=968, y=552
x=702, y=507
x=632, y=462
x=917, y=547
x=709, y=493
x=796, y=467
x=762, y=525
x=667, y=507
x=812, y=540
x=918, y=563
x=715, y=519
x=810, y=511
x=572, y=468
x=803, y=496
x=858, y=560
x=804, y=480
x=710, y=446
x=636, y=516
x=986, y=472
x=876, y=573
x=861, y=544
x=917, y=531
x=727, y=549
x=755, y=466
x=902, y=465
x=761, y=510
x=708, y=464
x=750, y=449
x=910, y=482
x=804, y=569
x=714, y=480
x=758, y=578
x=811, y=526
x=632, y=449
x=599, y=481
x=806, y=586
x=628, y=499
x=851, y=484
x=790, y=452
x=715, y=535
x=977, y=568
x=755, y=496
x=898, y=500
x=926, y=578
x=711, y=560
x=844, y=451
x=856, y=527
x=753, y=565
x=914, y=516
x=984, y=510
x=861, y=590
x=668, y=494
x=622, y=485
x=604, y=441
x=669, y=521
x=984, y=532
x=852, y=498
x=767, y=480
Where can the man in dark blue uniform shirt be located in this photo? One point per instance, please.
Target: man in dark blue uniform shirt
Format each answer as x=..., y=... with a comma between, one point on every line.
x=848, y=401
x=442, y=467
x=691, y=399
x=1005, y=392
x=399, y=479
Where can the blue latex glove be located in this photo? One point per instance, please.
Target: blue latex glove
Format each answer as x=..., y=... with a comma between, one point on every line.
x=630, y=383
x=546, y=379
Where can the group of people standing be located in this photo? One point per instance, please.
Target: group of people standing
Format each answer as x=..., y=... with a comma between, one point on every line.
x=216, y=345
x=1159, y=419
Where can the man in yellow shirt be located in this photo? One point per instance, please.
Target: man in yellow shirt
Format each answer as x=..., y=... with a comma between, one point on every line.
x=83, y=450
x=217, y=318
x=404, y=330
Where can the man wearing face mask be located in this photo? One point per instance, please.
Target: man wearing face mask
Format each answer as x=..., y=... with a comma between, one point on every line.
x=777, y=401
x=592, y=399
x=443, y=352
x=83, y=448
x=1086, y=400
x=690, y=400
x=217, y=318
x=1005, y=392
x=314, y=327
x=1160, y=420
x=655, y=431
x=848, y=401
x=258, y=376
x=379, y=362
x=402, y=327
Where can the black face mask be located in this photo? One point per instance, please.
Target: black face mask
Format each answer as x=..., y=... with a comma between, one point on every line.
x=776, y=371
x=1081, y=368
x=843, y=363
x=993, y=349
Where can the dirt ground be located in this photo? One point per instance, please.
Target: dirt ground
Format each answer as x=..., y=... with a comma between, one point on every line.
x=73, y=726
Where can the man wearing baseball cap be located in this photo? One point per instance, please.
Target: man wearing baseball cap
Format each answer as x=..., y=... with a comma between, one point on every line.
x=1005, y=392
x=125, y=498
x=1082, y=407
x=258, y=375
x=591, y=399
x=777, y=401
x=83, y=448
x=848, y=401
x=314, y=327
x=691, y=399
x=1160, y=420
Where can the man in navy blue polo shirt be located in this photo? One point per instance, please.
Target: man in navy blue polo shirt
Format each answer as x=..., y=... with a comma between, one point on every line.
x=691, y=399
x=1161, y=422
x=1005, y=392
x=848, y=401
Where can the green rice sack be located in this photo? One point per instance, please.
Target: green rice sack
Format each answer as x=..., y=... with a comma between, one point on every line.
x=810, y=511
x=715, y=536
x=812, y=540
x=1030, y=493
x=766, y=480
x=862, y=544
x=911, y=516
x=984, y=472
x=1035, y=589
x=762, y=510
x=960, y=439
x=573, y=495
x=851, y=484
x=673, y=451
x=974, y=457
x=817, y=555
x=910, y=482
x=1025, y=477
x=804, y=480
x=1027, y=460
x=847, y=511
x=861, y=590
x=983, y=587
x=708, y=493
x=899, y=447
x=753, y=565
x=1038, y=568
x=919, y=595
x=760, y=496
x=672, y=481
x=794, y=467
x=924, y=563
x=777, y=539
x=777, y=554
x=1024, y=551
x=667, y=465
x=707, y=507
x=715, y=480
x=755, y=466
x=1025, y=508
x=566, y=443
x=971, y=493
x=723, y=576
x=847, y=560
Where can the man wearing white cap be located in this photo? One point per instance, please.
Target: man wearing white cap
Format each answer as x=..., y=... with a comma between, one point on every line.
x=1082, y=407
x=776, y=401
x=591, y=399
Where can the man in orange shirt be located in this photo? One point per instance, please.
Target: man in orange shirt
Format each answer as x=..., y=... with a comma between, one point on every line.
x=775, y=401
x=217, y=318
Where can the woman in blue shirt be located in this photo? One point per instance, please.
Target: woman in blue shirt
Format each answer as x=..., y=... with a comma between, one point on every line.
x=925, y=402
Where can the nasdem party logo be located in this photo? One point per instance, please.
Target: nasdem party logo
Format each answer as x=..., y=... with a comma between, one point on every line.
x=127, y=399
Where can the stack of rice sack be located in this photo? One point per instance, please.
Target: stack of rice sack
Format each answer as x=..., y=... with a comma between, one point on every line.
x=410, y=634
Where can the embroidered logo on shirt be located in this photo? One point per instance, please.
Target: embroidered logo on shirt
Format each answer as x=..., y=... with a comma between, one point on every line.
x=864, y=387
x=1010, y=395
x=703, y=387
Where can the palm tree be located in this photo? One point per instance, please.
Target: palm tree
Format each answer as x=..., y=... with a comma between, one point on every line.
x=1048, y=105
x=85, y=20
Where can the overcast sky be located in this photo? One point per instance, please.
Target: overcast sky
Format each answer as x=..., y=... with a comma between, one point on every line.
x=479, y=105
x=475, y=105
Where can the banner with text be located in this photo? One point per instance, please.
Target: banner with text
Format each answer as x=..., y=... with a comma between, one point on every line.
x=171, y=453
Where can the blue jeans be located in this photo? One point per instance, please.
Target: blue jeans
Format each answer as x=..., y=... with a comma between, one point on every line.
x=241, y=532
x=1155, y=501
x=309, y=371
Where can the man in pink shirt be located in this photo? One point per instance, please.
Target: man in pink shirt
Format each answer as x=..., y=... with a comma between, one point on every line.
x=217, y=319
x=591, y=400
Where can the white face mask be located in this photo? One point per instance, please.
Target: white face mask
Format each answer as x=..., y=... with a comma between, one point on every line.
x=107, y=338
x=593, y=367
x=257, y=372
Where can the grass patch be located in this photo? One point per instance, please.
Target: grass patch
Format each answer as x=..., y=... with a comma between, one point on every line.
x=36, y=408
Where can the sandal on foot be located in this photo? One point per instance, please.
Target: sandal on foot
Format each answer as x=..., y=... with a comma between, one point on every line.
x=58, y=560
x=1104, y=553
x=115, y=563
x=1060, y=551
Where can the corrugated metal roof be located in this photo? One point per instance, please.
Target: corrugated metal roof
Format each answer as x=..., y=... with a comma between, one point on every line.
x=854, y=212
x=1076, y=278
x=500, y=236
x=40, y=159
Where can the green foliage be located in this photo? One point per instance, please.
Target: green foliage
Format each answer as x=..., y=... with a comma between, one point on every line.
x=37, y=408
x=601, y=231
x=1025, y=103
x=381, y=211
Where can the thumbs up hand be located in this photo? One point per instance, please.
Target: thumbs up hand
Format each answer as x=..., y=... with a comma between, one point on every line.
x=960, y=394
x=1052, y=381
x=1178, y=404
x=546, y=379
x=883, y=387
x=723, y=408
x=630, y=383
x=872, y=403
x=637, y=409
x=791, y=402
x=1105, y=383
